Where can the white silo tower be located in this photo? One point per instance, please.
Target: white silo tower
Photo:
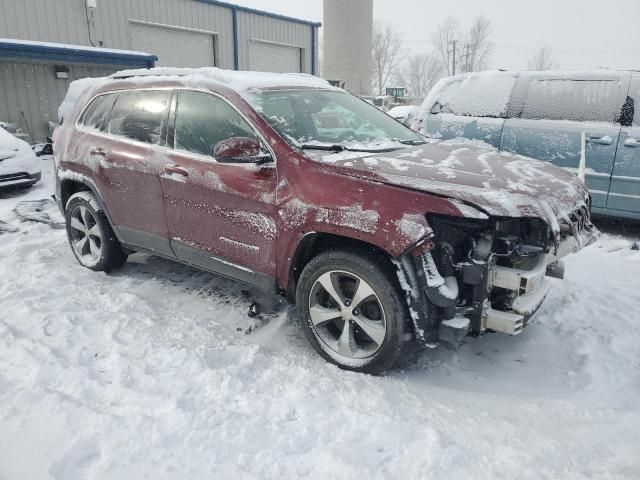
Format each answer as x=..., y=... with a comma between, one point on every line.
x=347, y=32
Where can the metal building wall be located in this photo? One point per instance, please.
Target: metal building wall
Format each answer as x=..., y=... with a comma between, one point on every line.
x=64, y=21
x=33, y=90
x=258, y=27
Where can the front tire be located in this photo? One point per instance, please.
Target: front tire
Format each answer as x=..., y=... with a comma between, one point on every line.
x=351, y=311
x=90, y=236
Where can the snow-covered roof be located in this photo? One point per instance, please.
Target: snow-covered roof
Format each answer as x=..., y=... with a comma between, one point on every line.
x=35, y=50
x=240, y=81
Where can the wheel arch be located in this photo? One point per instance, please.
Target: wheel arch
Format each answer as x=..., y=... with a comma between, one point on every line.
x=313, y=244
x=70, y=186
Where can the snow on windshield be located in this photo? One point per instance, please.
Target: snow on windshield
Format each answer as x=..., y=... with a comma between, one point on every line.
x=481, y=94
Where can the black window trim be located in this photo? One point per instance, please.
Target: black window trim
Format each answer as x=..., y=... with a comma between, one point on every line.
x=171, y=122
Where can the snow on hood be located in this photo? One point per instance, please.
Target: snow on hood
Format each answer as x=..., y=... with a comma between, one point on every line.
x=500, y=184
x=469, y=93
x=16, y=155
x=8, y=144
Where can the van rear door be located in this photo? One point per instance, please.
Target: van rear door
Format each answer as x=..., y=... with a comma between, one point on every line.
x=472, y=106
x=555, y=109
x=624, y=193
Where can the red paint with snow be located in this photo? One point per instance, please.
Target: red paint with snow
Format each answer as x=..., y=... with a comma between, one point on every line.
x=255, y=215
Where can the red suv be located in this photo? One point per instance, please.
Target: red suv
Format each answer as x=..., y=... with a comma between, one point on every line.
x=299, y=188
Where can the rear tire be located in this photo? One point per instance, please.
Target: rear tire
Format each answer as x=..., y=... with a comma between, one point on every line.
x=340, y=290
x=90, y=236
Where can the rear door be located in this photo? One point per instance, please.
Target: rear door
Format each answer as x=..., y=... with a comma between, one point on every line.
x=221, y=216
x=473, y=106
x=129, y=166
x=624, y=193
x=552, y=114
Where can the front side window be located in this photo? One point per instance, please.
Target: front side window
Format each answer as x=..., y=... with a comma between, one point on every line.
x=575, y=100
x=317, y=117
x=140, y=115
x=97, y=113
x=203, y=120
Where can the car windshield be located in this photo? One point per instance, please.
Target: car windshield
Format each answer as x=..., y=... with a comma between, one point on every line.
x=331, y=119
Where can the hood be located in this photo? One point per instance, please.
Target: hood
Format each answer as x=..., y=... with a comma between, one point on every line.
x=499, y=183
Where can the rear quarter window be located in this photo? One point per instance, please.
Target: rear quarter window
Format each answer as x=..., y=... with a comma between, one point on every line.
x=575, y=100
x=97, y=113
x=475, y=95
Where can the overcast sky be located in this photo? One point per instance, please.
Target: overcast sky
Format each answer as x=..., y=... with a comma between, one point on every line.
x=584, y=34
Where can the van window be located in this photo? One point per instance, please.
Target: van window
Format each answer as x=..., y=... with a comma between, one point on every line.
x=97, y=113
x=140, y=115
x=476, y=95
x=202, y=120
x=576, y=100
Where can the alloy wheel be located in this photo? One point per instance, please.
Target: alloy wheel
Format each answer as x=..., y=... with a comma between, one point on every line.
x=86, y=237
x=347, y=315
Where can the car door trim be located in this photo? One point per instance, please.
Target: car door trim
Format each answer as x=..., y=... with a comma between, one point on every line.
x=190, y=255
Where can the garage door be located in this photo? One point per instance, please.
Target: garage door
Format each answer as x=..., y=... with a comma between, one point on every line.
x=271, y=57
x=174, y=47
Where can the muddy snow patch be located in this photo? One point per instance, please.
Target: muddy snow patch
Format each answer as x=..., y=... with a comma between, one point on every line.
x=43, y=211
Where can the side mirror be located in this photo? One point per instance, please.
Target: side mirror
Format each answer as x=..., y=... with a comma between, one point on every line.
x=240, y=150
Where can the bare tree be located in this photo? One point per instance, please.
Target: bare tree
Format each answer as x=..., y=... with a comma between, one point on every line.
x=478, y=46
x=420, y=72
x=472, y=49
x=542, y=60
x=443, y=38
x=387, y=53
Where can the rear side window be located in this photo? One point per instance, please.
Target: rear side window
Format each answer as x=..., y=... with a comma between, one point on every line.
x=97, y=113
x=576, y=100
x=140, y=115
x=202, y=120
x=476, y=95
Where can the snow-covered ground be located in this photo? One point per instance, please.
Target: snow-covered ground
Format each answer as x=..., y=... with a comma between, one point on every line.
x=154, y=371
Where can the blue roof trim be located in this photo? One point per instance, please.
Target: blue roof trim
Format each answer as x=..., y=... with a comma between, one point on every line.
x=262, y=13
x=74, y=55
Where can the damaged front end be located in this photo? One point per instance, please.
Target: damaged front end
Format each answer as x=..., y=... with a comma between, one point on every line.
x=475, y=275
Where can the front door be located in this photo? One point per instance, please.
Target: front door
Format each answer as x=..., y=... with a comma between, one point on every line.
x=221, y=216
x=555, y=113
x=624, y=194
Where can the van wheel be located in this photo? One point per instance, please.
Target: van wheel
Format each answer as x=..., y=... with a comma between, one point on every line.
x=91, y=238
x=351, y=312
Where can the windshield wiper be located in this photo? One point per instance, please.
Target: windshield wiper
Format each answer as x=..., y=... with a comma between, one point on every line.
x=412, y=142
x=336, y=147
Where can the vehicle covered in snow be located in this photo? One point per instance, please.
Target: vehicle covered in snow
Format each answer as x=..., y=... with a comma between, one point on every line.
x=299, y=188
x=403, y=113
x=19, y=166
x=544, y=115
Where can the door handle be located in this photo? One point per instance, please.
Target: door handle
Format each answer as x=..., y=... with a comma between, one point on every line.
x=599, y=139
x=632, y=142
x=98, y=151
x=177, y=169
